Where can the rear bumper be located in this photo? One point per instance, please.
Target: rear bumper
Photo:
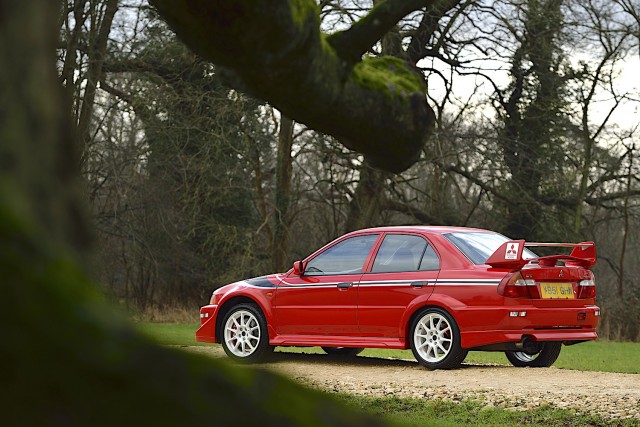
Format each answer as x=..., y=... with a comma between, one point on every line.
x=483, y=338
x=538, y=324
x=207, y=330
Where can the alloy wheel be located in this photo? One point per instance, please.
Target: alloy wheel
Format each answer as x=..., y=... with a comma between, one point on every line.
x=433, y=337
x=242, y=333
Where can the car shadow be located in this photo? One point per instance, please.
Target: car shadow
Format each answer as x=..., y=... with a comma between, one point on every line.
x=358, y=361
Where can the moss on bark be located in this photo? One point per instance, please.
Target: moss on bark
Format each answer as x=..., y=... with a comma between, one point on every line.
x=388, y=75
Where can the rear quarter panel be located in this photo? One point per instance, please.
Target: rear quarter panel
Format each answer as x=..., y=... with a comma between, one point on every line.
x=471, y=296
x=467, y=291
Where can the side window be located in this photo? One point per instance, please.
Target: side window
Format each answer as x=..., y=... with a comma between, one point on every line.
x=346, y=257
x=430, y=260
x=399, y=252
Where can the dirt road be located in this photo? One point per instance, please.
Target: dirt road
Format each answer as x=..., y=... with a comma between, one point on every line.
x=606, y=394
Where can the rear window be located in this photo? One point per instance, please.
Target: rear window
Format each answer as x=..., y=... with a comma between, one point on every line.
x=479, y=245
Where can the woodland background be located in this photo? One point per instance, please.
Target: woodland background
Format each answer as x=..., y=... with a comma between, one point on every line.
x=192, y=185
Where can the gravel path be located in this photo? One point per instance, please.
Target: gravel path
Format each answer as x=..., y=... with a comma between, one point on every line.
x=599, y=393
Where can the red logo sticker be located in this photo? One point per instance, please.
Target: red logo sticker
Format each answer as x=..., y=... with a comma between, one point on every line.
x=512, y=251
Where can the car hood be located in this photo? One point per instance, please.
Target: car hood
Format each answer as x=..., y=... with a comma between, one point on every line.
x=269, y=281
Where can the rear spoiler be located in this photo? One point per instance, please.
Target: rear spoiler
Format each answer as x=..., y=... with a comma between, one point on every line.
x=509, y=255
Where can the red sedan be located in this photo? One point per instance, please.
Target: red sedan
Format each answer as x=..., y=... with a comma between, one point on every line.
x=441, y=291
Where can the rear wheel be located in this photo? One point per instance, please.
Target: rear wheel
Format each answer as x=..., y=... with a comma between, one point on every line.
x=342, y=351
x=542, y=357
x=435, y=340
x=244, y=334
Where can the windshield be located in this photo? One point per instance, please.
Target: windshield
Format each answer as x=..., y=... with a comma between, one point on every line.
x=479, y=245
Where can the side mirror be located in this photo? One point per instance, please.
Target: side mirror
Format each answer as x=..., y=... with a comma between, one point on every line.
x=298, y=268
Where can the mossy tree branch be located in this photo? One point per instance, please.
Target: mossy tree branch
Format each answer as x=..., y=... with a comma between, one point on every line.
x=354, y=42
x=276, y=51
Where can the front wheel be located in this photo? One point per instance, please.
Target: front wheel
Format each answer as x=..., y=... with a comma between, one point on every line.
x=544, y=356
x=342, y=351
x=435, y=340
x=244, y=334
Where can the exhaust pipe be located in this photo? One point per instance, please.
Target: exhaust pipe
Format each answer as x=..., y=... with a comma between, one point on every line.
x=528, y=345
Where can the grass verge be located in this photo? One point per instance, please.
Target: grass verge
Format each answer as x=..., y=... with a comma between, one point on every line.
x=604, y=356
x=422, y=412
x=170, y=333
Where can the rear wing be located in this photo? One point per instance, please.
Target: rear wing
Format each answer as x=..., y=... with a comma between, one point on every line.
x=509, y=255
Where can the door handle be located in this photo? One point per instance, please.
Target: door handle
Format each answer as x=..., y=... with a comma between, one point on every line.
x=345, y=285
x=419, y=284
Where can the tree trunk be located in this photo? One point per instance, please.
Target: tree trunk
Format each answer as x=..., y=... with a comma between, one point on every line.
x=38, y=146
x=283, y=194
x=98, y=38
x=625, y=230
x=530, y=112
x=364, y=209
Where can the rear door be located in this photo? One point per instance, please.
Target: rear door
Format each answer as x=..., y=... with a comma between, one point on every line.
x=405, y=267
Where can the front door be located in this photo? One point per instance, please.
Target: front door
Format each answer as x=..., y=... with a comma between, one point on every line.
x=323, y=300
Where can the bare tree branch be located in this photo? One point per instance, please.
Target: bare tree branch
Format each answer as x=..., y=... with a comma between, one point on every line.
x=351, y=44
x=428, y=26
x=407, y=209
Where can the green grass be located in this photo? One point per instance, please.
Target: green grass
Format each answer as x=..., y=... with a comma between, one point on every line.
x=170, y=333
x=422, y=412
x=605, y=356
x=592, y=356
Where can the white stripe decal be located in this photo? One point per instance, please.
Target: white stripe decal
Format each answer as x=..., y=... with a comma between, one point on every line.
x=319, y=285
x=468, y=282
x=382, y=285
x=388, y=283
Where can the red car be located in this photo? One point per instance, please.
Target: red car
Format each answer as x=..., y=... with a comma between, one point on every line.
x=441, y=291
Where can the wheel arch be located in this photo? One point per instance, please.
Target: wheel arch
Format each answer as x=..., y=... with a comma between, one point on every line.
x=445, y=303
x=229, y=304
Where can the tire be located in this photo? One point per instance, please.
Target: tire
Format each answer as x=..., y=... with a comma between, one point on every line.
x=244, y=335
x=546, y=355
x=343, y=351
x=435, y=340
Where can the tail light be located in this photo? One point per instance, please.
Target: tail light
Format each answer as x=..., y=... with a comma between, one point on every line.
x=587, y=289
x=514, y=286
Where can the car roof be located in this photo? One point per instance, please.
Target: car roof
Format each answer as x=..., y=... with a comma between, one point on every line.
x=425, y=228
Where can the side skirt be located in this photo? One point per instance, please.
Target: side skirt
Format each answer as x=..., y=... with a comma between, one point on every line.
x=337, y=341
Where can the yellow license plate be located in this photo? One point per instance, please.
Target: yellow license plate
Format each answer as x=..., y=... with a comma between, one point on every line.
x=557, y=291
